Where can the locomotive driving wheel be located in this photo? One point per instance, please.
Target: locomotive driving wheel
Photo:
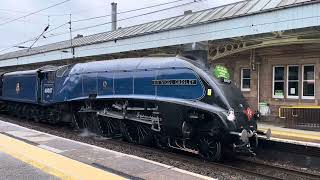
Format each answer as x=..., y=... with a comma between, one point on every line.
x=109, y=126
x=210, y=148
x=136, y=132
x=80, y=121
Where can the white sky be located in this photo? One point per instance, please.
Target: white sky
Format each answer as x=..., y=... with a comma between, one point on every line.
x=30, y=27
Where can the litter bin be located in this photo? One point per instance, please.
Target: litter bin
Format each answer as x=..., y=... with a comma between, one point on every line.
x=264, y=109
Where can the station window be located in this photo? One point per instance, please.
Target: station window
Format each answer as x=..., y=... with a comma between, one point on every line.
x=308, y=82
x=278, y=82
x=245, y=79
x=296, y=75
x=293, y=82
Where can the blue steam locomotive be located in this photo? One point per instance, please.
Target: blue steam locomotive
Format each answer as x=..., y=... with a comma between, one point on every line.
x=170, y=101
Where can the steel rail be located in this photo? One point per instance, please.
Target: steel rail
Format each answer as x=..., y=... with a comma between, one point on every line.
x=292, y=172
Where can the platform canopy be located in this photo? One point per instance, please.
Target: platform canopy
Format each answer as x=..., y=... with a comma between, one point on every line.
x=244, y=18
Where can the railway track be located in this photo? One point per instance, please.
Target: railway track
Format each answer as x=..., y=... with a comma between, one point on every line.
x=274, y=171
x=241, y=165
x=249, y=168
x=246, y=166
x=291, y=148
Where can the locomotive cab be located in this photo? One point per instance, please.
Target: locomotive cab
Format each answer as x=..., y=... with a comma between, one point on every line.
x=47, y=86
x=47, y=77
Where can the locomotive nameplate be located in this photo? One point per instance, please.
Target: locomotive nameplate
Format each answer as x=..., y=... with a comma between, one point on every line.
x=174, y=82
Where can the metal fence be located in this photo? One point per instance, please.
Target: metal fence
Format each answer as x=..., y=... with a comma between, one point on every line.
x=301, y=116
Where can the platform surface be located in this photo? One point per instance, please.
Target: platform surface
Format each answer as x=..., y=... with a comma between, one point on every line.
x=68, y=159
x=14, y=169
x=305, y=136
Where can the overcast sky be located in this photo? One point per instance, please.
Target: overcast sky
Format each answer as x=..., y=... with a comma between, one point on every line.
x=32, y=26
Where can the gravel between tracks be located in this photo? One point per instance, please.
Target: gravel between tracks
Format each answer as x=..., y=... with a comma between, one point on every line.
x=193, y=164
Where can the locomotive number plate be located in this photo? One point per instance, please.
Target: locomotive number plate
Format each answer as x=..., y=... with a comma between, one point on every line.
x=48, y=90
x=175, y=82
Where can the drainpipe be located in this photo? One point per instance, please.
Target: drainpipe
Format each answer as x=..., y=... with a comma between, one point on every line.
x=113, y=16
x=258, y=79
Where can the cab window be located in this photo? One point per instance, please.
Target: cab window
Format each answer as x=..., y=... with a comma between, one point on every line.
x=62, y=71
x=50, y=76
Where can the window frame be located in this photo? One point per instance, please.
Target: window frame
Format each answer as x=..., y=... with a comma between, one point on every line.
x=50, y=76
x=273, y=81
x=64, y=69
x=314, y=82
x=241, y=82
x=287, y=83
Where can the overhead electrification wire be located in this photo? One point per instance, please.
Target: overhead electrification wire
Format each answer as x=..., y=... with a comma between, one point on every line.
x=58, y=27
x=47, y=27
x=128, y=11
x=132, y=10
x=89, y=27
x=21, y=20
x=7, y=11
x=131, y=17
x=32, y=13
x=34, y=38
x=223, y=30
x=85, y=10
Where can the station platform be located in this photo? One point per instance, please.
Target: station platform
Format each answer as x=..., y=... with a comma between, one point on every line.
x=51, y=157
x=296, y=136
x=12, y=168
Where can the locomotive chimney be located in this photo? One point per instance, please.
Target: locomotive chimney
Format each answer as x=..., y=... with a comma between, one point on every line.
x=113, y=16
x=198, y=52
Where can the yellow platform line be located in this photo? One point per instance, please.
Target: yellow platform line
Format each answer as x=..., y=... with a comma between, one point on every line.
x=52, y=163
x=292, y=134
x=299, y=107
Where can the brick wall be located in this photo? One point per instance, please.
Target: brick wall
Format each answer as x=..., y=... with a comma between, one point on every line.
x=267, y=58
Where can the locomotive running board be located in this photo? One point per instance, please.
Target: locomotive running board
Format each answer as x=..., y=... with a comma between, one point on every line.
x=87, y=111
x=111, y=115
x=150, y=120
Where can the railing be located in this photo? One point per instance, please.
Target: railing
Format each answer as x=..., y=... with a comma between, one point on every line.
x=301, y=116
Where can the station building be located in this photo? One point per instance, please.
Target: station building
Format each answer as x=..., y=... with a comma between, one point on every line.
x=277, y=76
x=271, y=48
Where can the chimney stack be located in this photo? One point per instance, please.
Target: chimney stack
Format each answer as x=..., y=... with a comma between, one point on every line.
x=187, y=12
x=113, y=16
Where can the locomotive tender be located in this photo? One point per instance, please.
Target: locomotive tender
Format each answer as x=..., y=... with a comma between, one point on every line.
x=170, y=101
